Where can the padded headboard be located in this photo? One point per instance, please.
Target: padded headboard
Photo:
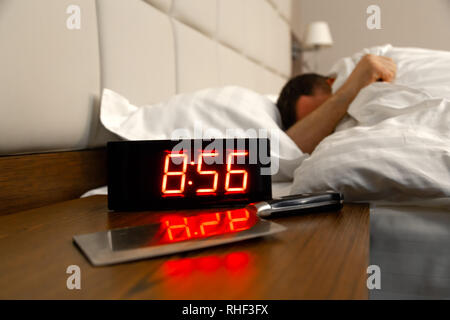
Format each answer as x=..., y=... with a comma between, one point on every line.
x=51, y=76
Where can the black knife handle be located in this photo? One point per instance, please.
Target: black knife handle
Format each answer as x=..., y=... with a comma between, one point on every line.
x=301, y=203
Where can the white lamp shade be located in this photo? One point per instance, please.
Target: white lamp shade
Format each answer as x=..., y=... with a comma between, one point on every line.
x=318, y=35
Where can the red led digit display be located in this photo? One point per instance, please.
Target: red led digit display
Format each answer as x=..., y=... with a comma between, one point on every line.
x=230, y=160
x=238, y=220
x=232, y=181
x=177, y=228
x=181, y=174
x=209, y=224
x=213, y=188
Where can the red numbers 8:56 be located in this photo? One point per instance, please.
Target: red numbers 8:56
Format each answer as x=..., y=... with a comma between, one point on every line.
x=235, y=180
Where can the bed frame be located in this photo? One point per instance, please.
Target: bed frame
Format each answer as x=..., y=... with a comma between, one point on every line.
x=36, y=180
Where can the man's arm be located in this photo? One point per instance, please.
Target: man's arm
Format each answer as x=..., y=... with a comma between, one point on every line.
x=308, y=132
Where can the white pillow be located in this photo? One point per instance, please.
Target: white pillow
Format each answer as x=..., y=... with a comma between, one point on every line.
x=208, y=113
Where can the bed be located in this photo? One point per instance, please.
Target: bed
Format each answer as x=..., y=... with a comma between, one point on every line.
x=394, y=143
x=393, y=146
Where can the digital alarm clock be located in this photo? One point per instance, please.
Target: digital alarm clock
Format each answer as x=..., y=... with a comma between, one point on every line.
x=191, y=173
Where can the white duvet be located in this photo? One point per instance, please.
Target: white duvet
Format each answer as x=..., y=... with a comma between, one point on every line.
x=395, y=143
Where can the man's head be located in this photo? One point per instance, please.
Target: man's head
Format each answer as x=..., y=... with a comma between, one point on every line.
x=301, y=95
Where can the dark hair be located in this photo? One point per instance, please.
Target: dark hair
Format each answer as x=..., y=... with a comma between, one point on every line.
x=303, y=85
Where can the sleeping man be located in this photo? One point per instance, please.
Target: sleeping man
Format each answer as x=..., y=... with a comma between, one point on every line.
x=309, y=110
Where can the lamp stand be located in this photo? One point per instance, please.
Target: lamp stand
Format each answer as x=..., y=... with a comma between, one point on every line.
x=316, y=59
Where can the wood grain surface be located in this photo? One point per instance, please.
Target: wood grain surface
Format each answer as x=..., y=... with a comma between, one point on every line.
x=320, y=256
x=36, y=180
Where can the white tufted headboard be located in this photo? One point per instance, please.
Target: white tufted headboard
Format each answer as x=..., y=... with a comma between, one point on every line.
x=51, y=77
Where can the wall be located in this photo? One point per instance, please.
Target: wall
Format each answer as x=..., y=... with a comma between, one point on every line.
x=415, y=23
x=52, y=71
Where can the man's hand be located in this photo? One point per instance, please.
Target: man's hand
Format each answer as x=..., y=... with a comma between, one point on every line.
x=370, y=68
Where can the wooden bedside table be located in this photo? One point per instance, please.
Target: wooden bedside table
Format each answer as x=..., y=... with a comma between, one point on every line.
x=320, y=256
